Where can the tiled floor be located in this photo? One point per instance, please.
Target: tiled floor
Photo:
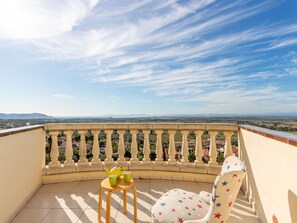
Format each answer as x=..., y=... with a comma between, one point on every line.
x=78, y=202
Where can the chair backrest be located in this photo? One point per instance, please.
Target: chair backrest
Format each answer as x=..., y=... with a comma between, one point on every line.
x=225, y=190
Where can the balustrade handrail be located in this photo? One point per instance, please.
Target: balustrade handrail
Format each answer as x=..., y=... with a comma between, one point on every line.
x=141, y=126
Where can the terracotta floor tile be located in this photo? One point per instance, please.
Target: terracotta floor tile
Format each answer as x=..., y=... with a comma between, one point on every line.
x=78, y=202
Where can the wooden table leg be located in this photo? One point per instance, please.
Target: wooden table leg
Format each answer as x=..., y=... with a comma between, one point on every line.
x=100, y=204
x=135, y=204
x=108, y=204
x=125, y=201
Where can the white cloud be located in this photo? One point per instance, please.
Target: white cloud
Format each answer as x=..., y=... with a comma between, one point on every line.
x=244, y=101
x=63, y=96
x=284, y=43
x=292, y=71
x=114, y=97
x=34, y=19
x=294, y=60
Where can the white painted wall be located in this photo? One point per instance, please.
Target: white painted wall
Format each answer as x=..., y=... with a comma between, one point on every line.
x=272, y=176
x=21, y=161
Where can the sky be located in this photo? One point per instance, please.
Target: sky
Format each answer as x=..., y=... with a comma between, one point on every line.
x=111, y=57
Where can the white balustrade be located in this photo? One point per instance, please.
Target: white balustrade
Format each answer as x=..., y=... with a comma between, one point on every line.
x=134, y=150
x=159, y=147
x=198, y=148
x=147, y=163
x=95, y=151
x=228, y=146
x=146, y=147
x=121, y=148
x=69, y=150
x=185, y=148
x=54, y=150
x=172, y=150
x=213, y=153
x=82, y=149
x=108, y=149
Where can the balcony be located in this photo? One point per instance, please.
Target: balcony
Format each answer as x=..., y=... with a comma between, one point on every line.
x=66, y=191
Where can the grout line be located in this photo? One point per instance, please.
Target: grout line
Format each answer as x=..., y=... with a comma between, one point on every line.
x=81, y=214
x=46, y=214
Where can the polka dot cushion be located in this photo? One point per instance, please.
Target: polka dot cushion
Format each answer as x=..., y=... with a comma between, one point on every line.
x=180, y=206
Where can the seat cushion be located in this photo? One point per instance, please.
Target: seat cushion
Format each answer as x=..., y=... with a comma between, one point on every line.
x=205, y=196
x=177, y=206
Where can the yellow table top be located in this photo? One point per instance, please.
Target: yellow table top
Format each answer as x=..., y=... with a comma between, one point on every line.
x=121, y=184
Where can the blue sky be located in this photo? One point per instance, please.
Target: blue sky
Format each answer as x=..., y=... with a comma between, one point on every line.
x=90, y=57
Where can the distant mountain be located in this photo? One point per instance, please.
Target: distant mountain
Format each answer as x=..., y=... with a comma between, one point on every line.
x=129, y=116
x=174, y=116
x=24, y=116
x=108, y=116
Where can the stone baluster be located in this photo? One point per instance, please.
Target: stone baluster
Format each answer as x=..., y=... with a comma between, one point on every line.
x=146, y=146
x=198, y=148
x=228, y=145
x=82, y=149
x=172, y=150
x=213, y=153
x=54, y=150
x=185, y=148
x=159, y=148
x=134, y=150
x=69, y=150
x=108, y=149
x=95, y=151
x=121, y=148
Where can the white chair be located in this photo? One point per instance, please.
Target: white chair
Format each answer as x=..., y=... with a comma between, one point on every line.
x=180, y=206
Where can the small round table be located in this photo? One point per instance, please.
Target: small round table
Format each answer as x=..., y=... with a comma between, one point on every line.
x=120, y=186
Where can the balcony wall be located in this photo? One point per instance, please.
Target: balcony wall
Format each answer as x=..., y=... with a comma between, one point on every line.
x=21, y=163
x=271, y=160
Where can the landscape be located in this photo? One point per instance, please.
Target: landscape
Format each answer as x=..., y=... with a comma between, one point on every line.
x=279, y=123
x=284, y=123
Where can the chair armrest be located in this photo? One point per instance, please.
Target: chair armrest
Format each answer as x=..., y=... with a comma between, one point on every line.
x=205, y=196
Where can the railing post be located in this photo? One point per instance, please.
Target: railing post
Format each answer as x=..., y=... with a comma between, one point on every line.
x=134, y=150
x=96, y=152
x=82, y=149
x=228, y=145
x=54, y=150
x=44, y=146
x=69, y=150
x=172, y=150
x=185, y=148
x=108, y=149
x=146, y=146
x=159, y=147
x=239, y=152
x=198, y=148
x=213, y=153
x=121, y=148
